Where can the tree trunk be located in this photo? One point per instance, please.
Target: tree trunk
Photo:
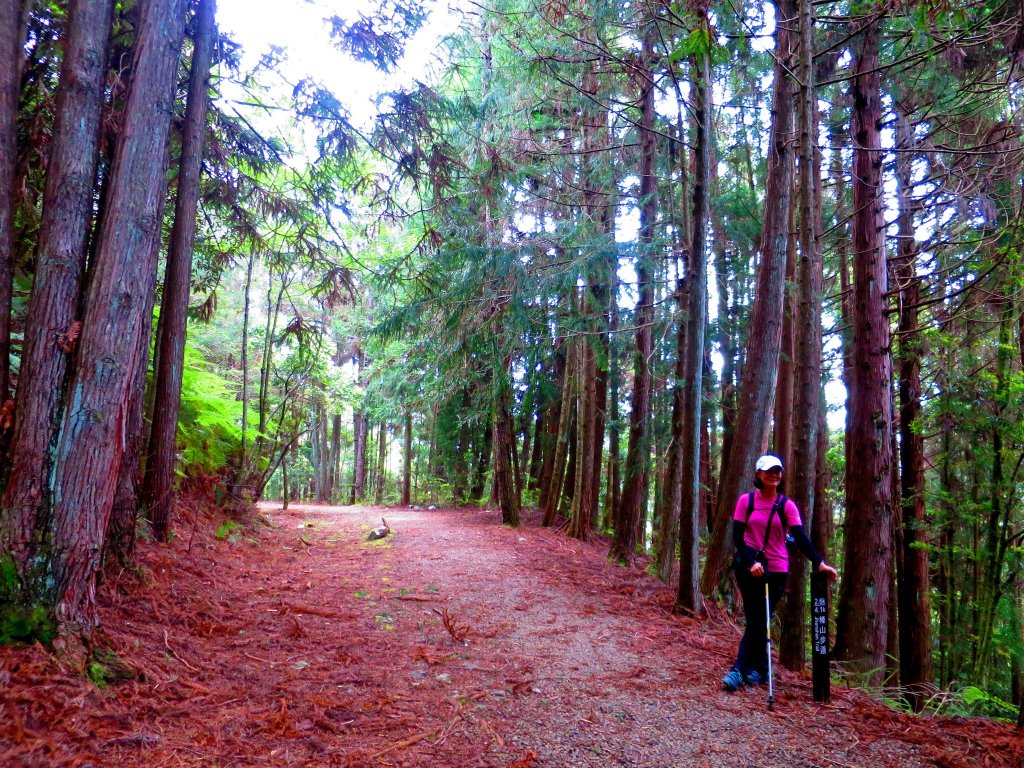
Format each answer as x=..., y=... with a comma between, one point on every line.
x=863, y=613
x=243, y=458
x=11, y=38
x=761, y=366
x=914, y=587
x=804, y=425
x=60, y=265
x=582, y=502
x=125, y=511
x=161, y=457
x=572, y=442
x=504, y=448
x=554, y=487
x=540, y=433
x=553, y=420
x=996, y=528
x=382, y=443
x=613, y=494
x=726, y=330
x=782, y=432
x=688, y=596
x=334, y=461
x=90, y=444
x=359, y=429
x=600, y=420
x=407, y=462
x=630, y=513
x=484, y=440
x=322, y=463
x=665, y=552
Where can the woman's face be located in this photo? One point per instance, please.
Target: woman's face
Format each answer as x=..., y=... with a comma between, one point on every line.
x=770, y=477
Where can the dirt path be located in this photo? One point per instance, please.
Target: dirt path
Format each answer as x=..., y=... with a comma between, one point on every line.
x=452, y=642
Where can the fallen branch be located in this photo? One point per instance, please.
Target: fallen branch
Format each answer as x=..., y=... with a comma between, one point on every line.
x=403, y=744
x=174, y=653
x=459, y=632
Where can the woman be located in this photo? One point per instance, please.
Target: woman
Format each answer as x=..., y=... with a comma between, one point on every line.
x=761, y=522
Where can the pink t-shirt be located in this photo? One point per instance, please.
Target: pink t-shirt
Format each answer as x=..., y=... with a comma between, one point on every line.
x=753, y=536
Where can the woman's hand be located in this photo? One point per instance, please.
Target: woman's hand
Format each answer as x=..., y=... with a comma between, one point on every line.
x=824, y=567
x=757, y=570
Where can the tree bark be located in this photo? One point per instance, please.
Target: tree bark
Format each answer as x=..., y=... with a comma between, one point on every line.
x=11, y=38
x=631, y=512
x=582, y=501
x=863, y=613
x=51, y=329
x=334, y=460
x=688, y=596
x=91, y=440
x=407, y=464
x=382, y=446
x=761, y=366
x=558, y=461
x=504, y=448
x=614, y=491
x=243, y=458
x=553, y=421
x=540, y=433
x=914, y=587
x=782, y=432
x=124, y=515
x=804, y=425
x=161, y=457
x=359, y=429
x=484, y=448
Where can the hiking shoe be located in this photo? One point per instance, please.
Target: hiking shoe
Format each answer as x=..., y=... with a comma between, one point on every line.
x=756, y=678
x=733, y=680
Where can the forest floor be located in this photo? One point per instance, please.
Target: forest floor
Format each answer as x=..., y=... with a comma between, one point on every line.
x=453, y=642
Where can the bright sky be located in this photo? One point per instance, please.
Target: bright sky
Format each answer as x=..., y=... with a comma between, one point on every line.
x=298, y=27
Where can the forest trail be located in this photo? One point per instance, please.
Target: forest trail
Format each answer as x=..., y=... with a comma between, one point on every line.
x=452, y=642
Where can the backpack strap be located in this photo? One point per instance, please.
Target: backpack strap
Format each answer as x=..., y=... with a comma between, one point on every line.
x=780, y=507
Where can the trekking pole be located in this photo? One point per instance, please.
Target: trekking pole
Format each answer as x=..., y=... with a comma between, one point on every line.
x=768, y=634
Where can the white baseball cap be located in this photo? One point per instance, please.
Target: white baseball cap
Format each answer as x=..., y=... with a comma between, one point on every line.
x=766, y=462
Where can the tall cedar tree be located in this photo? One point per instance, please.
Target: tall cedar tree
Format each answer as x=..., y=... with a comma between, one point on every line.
x=631, y=510
x=765, y=336
x=863, y=614
x=807, y=362
x=505, y=485
x=913, y=579
x=120, y=540
x=11, y=37
x=688, y=597
x=406, y=498
x=156, y=489
x=360, y=425
x=60, y=262
x=90, y=443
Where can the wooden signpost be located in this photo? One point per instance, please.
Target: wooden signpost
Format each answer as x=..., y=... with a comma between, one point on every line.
x=819, y=629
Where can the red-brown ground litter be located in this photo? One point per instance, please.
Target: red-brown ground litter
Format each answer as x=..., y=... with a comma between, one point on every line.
x=452, y=642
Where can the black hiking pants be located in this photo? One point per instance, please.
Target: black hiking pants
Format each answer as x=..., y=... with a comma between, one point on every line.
x=753, y=651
